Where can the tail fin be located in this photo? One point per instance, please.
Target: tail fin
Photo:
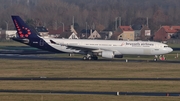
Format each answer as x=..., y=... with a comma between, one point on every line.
x=23, y=30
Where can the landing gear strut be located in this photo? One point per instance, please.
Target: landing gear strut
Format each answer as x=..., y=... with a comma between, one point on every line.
x=155, y=58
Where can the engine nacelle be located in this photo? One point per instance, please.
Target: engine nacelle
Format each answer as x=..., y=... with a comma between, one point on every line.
x=107, y=54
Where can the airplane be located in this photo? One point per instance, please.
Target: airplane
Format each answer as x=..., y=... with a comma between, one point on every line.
x=90, y=48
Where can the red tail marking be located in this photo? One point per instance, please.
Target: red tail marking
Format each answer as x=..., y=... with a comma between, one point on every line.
x=19, y=29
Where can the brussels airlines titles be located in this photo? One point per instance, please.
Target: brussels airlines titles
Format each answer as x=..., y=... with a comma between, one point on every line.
x=138, y=44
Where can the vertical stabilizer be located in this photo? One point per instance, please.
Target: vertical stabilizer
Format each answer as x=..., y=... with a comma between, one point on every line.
x=23, y=30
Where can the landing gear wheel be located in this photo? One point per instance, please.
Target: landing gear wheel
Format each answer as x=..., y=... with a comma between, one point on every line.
x=84, y=58
x=155, y=59
x=89, y=58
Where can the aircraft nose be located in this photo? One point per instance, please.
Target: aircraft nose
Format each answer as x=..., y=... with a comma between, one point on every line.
x=170, y=49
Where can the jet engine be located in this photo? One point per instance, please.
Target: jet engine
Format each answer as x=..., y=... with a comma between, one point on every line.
x=107, y=54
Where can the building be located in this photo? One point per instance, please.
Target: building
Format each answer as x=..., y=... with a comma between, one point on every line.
x=43, y=31
x=106, y=35
x=116, y=36
x=90, y=34
x=55, y=33
x=94, y=35
x=142, y=32
x=167, y=32
x=7, y=34
x=68, y=35
x=125, y=33
x=63, y=32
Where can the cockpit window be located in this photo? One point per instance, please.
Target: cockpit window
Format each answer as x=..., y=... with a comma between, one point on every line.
x=165, y=46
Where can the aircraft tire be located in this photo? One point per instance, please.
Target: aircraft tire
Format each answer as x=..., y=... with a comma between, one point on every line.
x=84, y=58
x=89, y=58
x=155, y=59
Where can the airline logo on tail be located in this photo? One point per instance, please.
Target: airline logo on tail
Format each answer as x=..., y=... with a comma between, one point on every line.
x=22, y=31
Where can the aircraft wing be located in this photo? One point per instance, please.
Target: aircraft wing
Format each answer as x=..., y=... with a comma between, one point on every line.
x=82, y=48
x=93, y=49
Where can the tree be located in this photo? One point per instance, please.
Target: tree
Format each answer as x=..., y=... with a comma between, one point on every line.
x=95, y=12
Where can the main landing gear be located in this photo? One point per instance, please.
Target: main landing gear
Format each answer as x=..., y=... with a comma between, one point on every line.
x=161, y=57
x=89, y=57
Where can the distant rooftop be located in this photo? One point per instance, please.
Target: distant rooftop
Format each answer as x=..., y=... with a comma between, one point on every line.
x=41, y=29
x=126, y=28
x=171, y=29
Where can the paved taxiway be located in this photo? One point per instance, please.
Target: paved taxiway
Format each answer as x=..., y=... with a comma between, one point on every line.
x=93, y=92
x=29, y=53
x=41, y=57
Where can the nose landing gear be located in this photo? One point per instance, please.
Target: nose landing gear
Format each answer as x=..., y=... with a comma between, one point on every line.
x=161, y=57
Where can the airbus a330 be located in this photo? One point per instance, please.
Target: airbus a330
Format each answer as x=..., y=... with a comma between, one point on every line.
x=91, y=49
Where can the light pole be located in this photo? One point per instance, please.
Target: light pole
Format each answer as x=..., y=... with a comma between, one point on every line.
x=86, y=30
x=62, y=25
x=6, y=25
x=116, y=19
x=73, y=21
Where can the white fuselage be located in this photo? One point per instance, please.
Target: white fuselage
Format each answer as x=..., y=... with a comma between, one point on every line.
x=118, y=47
